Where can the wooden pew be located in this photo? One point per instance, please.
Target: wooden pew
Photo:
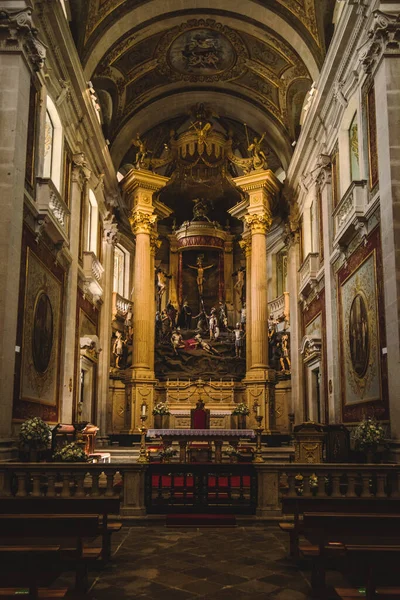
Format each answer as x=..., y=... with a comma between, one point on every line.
x=298, y=505
x=99, y=505
x=28, y=567
x=370, y=537
x=67, y=530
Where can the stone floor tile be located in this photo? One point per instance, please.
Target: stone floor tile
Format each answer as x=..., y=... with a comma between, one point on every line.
x=227, y=579
x=254, y=585
x=202, y=587
x=201, y=573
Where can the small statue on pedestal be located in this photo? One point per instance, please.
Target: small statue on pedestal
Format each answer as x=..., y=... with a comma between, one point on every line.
x=213, y=325
x=239, y=340
x=238, y=287
x=118, y=349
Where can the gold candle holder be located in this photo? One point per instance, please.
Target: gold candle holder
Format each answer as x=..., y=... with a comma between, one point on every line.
x=259, y=429
x=143, y=458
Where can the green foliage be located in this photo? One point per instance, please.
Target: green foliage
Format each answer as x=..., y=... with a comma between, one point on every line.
x=368, y=435
x=241, y=409
x=34, y=434
x=72, y=452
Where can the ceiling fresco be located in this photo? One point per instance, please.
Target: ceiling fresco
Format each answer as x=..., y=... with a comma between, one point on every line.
x=150, y=60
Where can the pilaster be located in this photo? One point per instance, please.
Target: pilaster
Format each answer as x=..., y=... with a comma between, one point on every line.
x=80, y=175
x=381, y=58
x=21, y=53
x=104, y=411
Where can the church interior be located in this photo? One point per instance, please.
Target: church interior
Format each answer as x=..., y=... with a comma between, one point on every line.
x=200, y=317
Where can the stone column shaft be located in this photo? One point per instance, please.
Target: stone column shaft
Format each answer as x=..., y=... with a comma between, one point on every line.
x=259, y=301
x=141, y=303
x=20, y=52
x=80, y=174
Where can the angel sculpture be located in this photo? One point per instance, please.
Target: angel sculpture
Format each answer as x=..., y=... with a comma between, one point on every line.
x=142, y=151
x=258, y=155
x=202, y=131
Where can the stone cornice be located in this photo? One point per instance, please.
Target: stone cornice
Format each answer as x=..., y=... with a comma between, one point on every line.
x=142, y=179
x=383, y=40
x=17, y=33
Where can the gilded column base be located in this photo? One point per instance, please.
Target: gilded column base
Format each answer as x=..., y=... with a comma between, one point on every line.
x=137, y=393
x=260, y=389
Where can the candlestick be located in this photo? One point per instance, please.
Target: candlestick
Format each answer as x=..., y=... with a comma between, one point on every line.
x=144, y=409
x=143, y=458
x=259, y=429
x=258, y=410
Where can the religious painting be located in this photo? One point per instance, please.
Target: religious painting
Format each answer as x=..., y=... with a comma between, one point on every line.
x=41, y=333
x=201, y=51
x=360, y=334
x=354, y=152
x=372, y=140
x=314, y=328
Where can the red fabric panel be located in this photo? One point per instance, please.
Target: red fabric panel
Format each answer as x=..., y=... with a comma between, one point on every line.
x=199, y=419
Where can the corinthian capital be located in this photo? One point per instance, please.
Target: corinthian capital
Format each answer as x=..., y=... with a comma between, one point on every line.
x=245, y=246
x=383, y=38
x=17, y=33
x=142, y=222
x=258, y=223
x=155, y=243
x=80, y=169
x=110, y=230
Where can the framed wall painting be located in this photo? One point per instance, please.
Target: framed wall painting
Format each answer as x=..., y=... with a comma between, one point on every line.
x=362, y=334
x=41, y=334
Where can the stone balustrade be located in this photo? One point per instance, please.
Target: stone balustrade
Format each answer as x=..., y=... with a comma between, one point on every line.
x=92, y=274
x=308, y=273
x=349, y=215
x=279, y=307
x=53, y=208
x=120, y=306
x=128, y=482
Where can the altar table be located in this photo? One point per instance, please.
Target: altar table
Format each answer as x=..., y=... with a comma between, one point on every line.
x=218, y=436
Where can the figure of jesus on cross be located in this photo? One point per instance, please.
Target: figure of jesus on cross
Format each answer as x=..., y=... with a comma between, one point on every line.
x=200, y=268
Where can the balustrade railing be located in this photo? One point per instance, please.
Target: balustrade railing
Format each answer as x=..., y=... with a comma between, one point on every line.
x=238, y=488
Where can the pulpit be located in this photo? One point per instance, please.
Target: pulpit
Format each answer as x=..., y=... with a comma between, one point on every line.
x=199, y=419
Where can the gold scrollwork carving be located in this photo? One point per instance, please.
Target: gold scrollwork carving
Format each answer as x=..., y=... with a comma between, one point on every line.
x=258, y=223
x=142, y=222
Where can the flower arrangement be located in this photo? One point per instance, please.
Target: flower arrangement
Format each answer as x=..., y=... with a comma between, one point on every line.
x=241, y=409
x=368, y=435
x=231, y=451
x=72, y=452
x=161, y=408
x=34, y=434
x=168, y=452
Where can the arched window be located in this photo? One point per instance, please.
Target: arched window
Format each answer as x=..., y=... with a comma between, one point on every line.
x=53, y=142
x=92, y=223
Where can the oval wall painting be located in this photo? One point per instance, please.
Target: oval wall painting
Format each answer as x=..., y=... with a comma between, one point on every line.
x=359, y=335
x=42, y=335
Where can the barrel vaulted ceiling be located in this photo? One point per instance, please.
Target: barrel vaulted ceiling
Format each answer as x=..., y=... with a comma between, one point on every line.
x=249, y=61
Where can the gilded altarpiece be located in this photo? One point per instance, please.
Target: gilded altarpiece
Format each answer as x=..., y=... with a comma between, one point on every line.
x=362, y=335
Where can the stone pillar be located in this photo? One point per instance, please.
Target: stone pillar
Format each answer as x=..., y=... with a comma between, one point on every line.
x=297, y=369
x=381, y=57
x=80, y=176
x=21, y=53
x=104, y=408
x=262, y=188
x=332, y=366
x=155, y=244
x=139, y=187
x=245, y=245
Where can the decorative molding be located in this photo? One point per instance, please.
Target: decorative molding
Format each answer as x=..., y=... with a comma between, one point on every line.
x=142, y=222
x=383, y=39
x=259, y=223
x=18, y=33
x=110, y=226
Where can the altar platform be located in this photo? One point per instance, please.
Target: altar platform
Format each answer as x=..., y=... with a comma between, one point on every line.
x=186, y=436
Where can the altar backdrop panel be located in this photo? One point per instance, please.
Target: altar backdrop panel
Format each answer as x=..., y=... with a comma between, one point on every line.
x=363, y=376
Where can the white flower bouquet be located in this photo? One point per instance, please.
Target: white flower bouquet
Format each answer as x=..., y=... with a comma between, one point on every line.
x=161, y=408
x=72, y=452
x=241, y=409
x=168, y=452
x=369, y=434
x=34, y=434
